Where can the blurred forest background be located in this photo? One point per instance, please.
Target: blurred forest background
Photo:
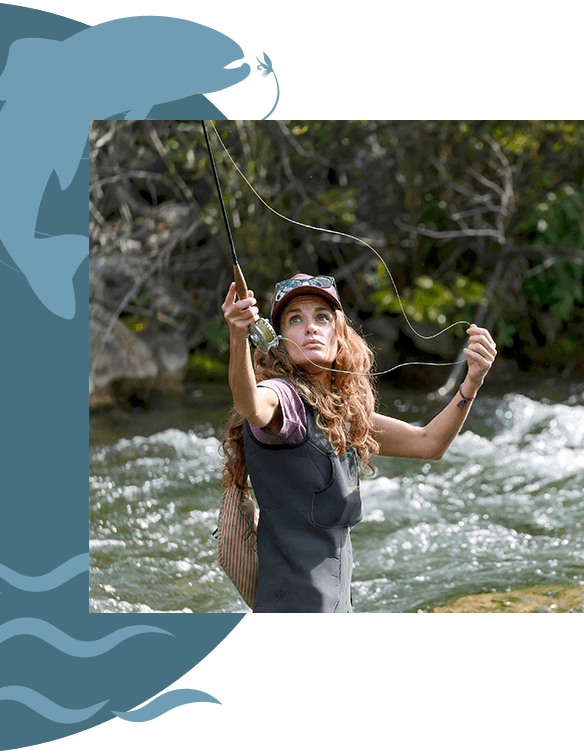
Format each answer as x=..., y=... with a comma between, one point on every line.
x=477, y=221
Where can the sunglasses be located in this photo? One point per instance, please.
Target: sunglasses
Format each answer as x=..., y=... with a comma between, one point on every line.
x=285, y=286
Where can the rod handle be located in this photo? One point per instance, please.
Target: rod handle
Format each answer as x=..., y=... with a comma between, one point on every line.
x=240, y=284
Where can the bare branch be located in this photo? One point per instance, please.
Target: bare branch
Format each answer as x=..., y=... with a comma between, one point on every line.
x=169, y=164
x=477, y=211
x=300, y=149
x=485, y=181
x=502, y=212
x=471, y=193
x=498, y=151
x=448, y=233
x=541, y=267
x=99, y=218
x=545, y=251
x=145, y=174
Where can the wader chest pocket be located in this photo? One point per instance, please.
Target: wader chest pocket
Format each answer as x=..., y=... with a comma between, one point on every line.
x=339, y=504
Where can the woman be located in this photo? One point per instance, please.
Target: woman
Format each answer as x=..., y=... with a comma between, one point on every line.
x=302, y=432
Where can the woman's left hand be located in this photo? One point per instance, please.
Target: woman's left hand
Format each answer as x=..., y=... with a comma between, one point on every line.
x=480, y=353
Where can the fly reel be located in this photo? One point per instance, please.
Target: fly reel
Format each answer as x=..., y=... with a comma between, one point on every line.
x=263, y=335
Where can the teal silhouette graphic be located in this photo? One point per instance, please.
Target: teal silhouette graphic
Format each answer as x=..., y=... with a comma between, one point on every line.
x=164, y=703
x=99, y=72
x=58, y=639
x=45, y=707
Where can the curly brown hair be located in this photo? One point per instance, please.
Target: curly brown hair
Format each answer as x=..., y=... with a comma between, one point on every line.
x=343, y=412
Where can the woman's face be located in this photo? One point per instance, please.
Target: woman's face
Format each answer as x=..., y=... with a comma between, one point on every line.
x=309, y=322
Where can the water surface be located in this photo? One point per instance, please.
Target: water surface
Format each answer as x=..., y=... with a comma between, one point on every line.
x=502, y=514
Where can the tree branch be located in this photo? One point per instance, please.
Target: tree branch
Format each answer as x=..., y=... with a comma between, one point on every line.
x=470, y=232
x=169, y=163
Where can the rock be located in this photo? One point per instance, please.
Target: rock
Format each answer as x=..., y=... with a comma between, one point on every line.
x=128, y=366
x=111, y=276
x=169, y=352
x=120, y=356
x=562, y=598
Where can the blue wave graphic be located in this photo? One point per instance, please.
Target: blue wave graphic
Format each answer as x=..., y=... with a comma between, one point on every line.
x=45, y=707
x=67, y=644
x=55, y=578
x=164, y=703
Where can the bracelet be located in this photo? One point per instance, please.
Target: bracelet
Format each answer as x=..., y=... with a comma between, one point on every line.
x=464, y=400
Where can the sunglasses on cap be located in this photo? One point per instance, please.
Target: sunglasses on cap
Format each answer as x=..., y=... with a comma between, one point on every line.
x=285, y=286
x=303, y=285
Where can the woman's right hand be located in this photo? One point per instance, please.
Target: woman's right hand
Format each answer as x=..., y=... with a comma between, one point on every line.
x=240, y=314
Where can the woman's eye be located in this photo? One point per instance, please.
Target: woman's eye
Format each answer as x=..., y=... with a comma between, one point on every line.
x=297, y=319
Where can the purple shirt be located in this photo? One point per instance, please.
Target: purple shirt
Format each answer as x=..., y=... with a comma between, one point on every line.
x=293, y=414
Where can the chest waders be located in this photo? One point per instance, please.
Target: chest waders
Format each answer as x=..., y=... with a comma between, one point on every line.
x=309, y=499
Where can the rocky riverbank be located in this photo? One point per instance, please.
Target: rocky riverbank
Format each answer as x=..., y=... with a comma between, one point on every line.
x=560, y=598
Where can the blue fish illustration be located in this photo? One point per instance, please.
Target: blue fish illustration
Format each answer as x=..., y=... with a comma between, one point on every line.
x=52, y=89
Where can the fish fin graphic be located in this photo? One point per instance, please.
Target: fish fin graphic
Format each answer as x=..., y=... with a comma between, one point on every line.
x=51, y=265
x=67, y=150
x=138, y=113
x=164, y=703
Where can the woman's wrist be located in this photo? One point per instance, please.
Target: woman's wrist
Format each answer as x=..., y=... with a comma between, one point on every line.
x=238, y=336
x=470, y=387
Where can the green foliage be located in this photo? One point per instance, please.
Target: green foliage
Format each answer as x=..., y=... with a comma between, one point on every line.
x=430, y=300
x=203, y=368
x=142, y=301
x=378, y=180
x=134, y=323
x=339, y=202
x=217, y=335
x=558, y=220
x=557, y=290
x=504, y=332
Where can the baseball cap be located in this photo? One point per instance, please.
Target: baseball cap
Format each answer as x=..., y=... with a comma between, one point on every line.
x=303, y=285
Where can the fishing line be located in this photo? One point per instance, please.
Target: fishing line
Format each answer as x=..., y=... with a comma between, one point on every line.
x=276, y=103
x=359, y=240
x=371, y=374
x=277, y=97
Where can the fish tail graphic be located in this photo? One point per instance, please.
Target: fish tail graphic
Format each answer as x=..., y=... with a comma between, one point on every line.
x=164, y=703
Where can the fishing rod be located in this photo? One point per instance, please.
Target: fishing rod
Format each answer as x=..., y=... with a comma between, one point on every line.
x=261, y=333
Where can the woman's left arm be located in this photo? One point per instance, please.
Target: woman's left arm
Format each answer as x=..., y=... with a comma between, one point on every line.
x=401, y=440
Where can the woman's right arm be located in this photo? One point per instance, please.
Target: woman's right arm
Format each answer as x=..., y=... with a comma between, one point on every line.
x=261, y=408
